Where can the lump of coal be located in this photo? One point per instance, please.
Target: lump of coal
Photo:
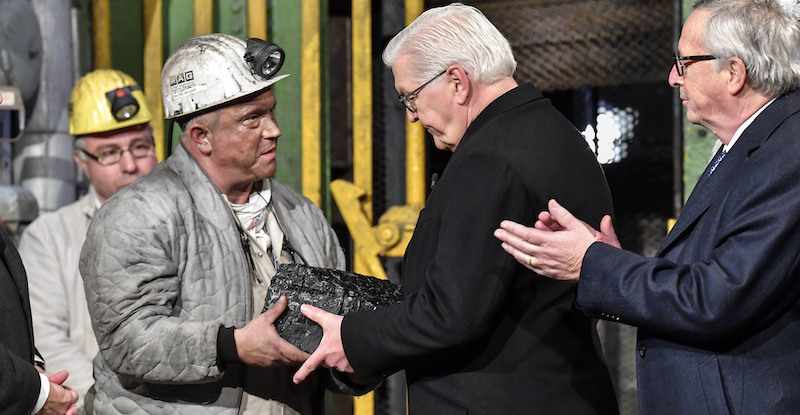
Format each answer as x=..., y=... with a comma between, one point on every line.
x=338, y=292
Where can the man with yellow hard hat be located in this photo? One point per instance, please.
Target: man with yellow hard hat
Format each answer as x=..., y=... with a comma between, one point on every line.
x=114, y=146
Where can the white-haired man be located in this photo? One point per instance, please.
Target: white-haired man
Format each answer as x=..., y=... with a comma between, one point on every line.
x=477, y=332
x=718, y=307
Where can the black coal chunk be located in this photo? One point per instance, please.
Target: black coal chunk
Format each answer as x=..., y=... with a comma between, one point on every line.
x=338, y=292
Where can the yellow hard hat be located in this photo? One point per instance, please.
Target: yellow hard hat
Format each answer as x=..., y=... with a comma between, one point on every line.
x=106, y=100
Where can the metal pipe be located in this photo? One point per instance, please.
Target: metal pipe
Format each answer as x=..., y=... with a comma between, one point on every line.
x=310, y=95
x=43, y=159
x=415, y=137
x=153, y=62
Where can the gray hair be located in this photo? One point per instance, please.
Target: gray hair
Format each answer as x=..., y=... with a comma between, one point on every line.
x=454, y=34
x=763, y=34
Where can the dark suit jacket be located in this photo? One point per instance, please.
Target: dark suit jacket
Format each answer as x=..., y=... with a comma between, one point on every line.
x=19, y=380
x=718, y=309
x=478, y=332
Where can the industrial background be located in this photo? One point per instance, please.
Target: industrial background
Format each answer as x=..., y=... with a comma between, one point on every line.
x=346, y=143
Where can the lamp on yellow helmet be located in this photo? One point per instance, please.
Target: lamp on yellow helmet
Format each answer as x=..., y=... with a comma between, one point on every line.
x=106, y=100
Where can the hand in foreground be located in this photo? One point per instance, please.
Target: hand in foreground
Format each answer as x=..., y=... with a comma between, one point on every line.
x=62, y=399
x=330, y=352
x=556, y=244
x=259, y=344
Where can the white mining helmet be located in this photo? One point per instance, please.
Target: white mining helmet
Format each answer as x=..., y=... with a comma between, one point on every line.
x=207, y=71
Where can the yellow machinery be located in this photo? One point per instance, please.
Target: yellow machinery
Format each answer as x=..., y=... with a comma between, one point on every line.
x=390, y=236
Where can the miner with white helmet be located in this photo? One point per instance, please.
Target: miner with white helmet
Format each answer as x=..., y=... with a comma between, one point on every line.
x=177, y=265
x=109, y=117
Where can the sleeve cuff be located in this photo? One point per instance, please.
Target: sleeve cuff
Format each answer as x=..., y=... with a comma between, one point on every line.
x=343, y=384
x=44, y=393
x=38, y=360
x=226, y=346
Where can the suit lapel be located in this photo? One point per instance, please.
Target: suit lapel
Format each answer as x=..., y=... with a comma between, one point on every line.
x=13, y=265
x=707, y=189
x=714, y=187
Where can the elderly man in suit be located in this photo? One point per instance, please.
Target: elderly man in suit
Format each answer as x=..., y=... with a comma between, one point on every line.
x=718, y=308
x=478, y=333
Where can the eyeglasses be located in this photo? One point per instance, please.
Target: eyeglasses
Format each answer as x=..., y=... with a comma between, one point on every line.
x=113, y=155
x=681, y=62
x=408, y=99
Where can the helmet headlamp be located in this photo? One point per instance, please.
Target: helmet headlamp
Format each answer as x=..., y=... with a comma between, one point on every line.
x=123, y=105
x=264, y=58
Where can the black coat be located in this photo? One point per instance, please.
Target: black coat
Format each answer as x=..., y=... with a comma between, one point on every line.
x=19, y=380
x=478, y=332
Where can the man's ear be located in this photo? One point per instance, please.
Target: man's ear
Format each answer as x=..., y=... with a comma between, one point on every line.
x=200, y=137
x=737, y=75
x=81, y=162
x=459, y=79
